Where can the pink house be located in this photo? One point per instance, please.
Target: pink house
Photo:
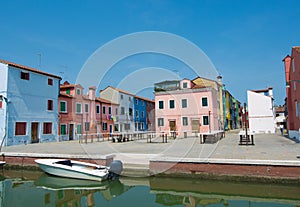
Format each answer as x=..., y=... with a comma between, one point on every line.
x=106, y=116
x=186, y=108
x=83, y=114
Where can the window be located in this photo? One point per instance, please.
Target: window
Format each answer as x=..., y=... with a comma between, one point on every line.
x=78, y=108
x=185, y=121
x=63, y=106
x=143, y=103
x=204, y=102
x=136, y=113
x=205, y=120
x=161, y=104
x=79, y=129
x=98, y=109
x=50, y=82
x=109, y=110
x=293, y=65
x=68, y=91
x=87, y=126
x=160, y=121
x=20, y=128
x=129, y=98
x=116, y=111
x=86, y=108
x=130, y=112
x=127, y=126
x=143, y=114
x=184, y=103
x=116, y=127
x=172, y=104
x=63, y=129
x=136, y=101
x=50, y=105
x=24, y=75
x=78, y=91
x=104, y=126
x=295, y=86
x=121, y=96
x=122, y=110
x=103, y=110
x=184, y=85
x=297, y=104
x=47, y=129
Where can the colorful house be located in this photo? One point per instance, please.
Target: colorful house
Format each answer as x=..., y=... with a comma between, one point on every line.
x=185, y=108
x=261, y=116
x=231, y=111
x=292, y=75
x=83, y=114
x=218, y=86
x=28, y=104
x=132, y=110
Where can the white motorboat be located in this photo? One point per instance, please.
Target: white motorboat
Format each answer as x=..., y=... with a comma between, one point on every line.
x=79, y=170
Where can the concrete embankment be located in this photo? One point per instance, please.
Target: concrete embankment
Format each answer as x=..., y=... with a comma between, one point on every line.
x=273, y=158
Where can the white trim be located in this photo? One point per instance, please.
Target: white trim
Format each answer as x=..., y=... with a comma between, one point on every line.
x=202, y=102
x=203, y=120
x=80, y=108
x=66, y=107
x=66, y=129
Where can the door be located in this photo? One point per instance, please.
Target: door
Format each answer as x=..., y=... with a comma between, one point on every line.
x=71, y=131
x=110, y=129
x=34, y=132
x=195, y=125
x=172, y=125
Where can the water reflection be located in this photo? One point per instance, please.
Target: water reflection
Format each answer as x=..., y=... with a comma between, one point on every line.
x=47, y=191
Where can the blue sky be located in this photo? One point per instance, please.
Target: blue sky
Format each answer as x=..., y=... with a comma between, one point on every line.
x=245, y=40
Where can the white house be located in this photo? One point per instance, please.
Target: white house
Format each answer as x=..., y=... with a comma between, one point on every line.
x=28, y=104
x=261, y=111
x=125, y=111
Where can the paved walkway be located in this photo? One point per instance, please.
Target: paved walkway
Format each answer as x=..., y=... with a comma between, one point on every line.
x=268, y=147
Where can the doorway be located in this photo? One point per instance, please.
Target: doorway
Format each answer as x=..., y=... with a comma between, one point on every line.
x=34, y=132
x=172, y=125
x=195, y=125
x=71, y=132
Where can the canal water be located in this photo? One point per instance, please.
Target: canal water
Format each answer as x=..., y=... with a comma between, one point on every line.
x=36, y=189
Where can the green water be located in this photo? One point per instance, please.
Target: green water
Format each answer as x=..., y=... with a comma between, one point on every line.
x=20, y=188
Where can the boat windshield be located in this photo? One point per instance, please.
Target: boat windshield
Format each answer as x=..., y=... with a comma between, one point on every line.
x=64, y=162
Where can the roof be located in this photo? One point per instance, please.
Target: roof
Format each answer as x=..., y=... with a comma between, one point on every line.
x=262, y=90
x=66, y=95
x=125, y=92
x=29, y=69
x=66, y=84
x=104, y=101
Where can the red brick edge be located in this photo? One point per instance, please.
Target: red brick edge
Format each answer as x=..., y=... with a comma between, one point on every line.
x=27, y=161
x=168, y=167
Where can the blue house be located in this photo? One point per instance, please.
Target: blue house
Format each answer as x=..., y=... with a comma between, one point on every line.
x=28, y=105
x=134, y=113
x=140, y=113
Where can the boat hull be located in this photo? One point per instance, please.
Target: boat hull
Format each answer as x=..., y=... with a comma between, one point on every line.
x=79, y=170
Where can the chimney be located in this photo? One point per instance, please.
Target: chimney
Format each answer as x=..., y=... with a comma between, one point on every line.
x=270, y=91
x=220, y=80
x=92, y=92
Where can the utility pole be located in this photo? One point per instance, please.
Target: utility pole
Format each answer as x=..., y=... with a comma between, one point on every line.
x=246, y=131
x=209, y=121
